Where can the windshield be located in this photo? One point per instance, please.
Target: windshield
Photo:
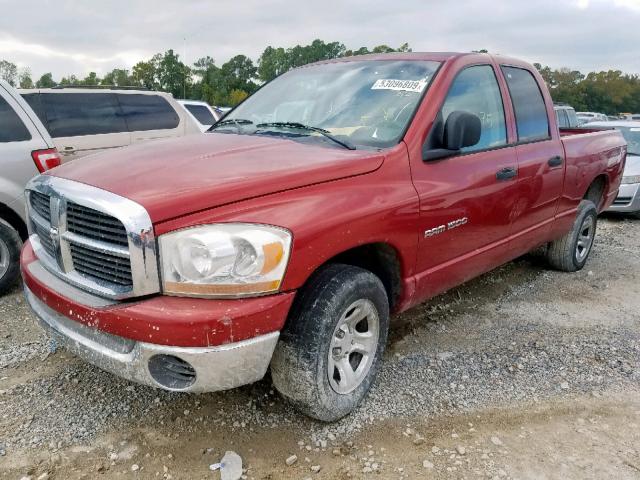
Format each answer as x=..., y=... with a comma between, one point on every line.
x=362, y=103
x=632, y=136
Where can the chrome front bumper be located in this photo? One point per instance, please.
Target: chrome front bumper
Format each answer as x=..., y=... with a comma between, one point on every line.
x=628, y=199
x=214, y=368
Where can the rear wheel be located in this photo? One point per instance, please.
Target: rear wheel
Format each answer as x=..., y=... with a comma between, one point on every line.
x=10, y=244
x=570, y=253
x=331, y=348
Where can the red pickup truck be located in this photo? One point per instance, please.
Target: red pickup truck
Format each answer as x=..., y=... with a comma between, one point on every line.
x=337, y=194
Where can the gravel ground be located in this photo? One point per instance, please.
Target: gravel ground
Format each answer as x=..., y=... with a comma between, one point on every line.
x=534, y=354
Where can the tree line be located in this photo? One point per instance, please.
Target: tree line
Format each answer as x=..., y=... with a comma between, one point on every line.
x=610, y=92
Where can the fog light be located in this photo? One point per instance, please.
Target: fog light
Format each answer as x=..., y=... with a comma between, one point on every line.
x=172, y=372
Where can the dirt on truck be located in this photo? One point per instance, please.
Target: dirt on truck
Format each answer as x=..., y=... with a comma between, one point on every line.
x=285, y=237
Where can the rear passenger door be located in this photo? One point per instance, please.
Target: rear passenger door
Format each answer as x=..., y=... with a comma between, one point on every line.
x=149, y=116
x=540, y=155
x=82, y=123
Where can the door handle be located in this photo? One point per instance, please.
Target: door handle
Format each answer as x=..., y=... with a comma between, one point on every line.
x=555, y=161
x=507, y=173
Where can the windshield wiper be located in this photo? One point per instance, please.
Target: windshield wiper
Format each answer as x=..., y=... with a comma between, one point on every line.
x=302, y=126
x=238, y=122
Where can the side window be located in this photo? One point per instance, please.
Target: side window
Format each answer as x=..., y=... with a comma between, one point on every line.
x=11, y=127
x=78, y=114
x=475, y=90
x=528, y=105
x=573, y=118
x=147, y=112
x=202, y=114
x=33, y=99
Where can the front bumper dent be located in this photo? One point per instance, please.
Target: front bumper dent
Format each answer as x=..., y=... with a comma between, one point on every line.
x=211, y=368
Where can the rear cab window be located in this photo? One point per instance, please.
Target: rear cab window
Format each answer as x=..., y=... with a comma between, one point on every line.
x=12, y=128
x=530, y=110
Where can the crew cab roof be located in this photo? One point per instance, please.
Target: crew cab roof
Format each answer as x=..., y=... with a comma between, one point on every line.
x=426, y=56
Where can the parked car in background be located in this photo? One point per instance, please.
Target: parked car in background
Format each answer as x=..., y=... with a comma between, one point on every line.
x=287, y=234
x=566, y=116
x=201, y=112
x=26, y=149
x=628, y=199
x=83, y=121
x=586, y=117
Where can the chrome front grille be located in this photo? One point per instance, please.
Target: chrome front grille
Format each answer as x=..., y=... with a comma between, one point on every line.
x=96, y=225
x=94, y=239
x=101, y=266
x=41, y=204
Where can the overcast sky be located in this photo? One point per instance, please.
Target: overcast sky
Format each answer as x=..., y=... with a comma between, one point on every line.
x=66, y=36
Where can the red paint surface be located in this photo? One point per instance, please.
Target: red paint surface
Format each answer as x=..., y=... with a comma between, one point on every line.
x=164, y=320
x=333, y=200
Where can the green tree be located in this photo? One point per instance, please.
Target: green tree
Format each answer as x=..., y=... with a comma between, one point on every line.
x=91, y=79
x=173, y=75
x=145, y=74
x=70, y=80
x=118, y=77
x=8, y=72
x=46, y=81
x=24, y=78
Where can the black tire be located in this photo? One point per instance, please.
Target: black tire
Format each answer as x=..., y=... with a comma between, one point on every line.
x=300, y=364
x=10, y=244
x=565, y=254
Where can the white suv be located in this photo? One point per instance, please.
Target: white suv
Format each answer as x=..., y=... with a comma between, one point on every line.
x=88, y=120
x=26, y=149
x=201, y=112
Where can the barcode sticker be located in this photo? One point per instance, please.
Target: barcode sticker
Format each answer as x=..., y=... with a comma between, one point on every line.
x=400, y=85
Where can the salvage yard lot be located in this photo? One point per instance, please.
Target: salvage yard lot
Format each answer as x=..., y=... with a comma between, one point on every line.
x=522, y=373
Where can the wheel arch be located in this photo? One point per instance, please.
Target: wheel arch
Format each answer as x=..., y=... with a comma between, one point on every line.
x=380, y=258
x=13, y=219
x=596, y=192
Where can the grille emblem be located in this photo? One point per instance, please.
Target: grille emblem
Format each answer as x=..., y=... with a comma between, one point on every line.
x=54, y=235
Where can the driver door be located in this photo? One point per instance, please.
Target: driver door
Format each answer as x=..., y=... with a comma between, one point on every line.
x=466, y=200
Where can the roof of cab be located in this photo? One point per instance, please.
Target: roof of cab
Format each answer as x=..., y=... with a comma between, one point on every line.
x=425, y=56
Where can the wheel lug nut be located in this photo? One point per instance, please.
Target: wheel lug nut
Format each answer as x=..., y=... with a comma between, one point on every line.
x=340, y=334
x=336, y=351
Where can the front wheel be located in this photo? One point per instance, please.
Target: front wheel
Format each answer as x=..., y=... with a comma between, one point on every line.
x=10, y=244
x=570, y=253
x=331, y=348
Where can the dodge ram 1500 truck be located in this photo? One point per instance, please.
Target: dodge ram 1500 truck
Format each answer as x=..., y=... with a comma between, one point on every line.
x=337, y=194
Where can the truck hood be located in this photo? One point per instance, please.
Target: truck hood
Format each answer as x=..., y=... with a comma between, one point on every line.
x=171, y=178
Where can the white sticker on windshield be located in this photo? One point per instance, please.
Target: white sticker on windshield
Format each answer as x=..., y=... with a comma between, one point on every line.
x=635, y=129
x=400, y=85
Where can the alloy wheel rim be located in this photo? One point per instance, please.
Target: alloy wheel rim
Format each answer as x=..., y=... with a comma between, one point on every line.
x=353, y=346
x=4, y=258
x=585, y=239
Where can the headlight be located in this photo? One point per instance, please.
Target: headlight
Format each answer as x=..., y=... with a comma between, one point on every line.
x=224, y=260
x=632, y=179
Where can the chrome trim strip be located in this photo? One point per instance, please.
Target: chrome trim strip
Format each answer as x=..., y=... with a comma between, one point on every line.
x=217, y=368
x=134, y=217
x=96, y=244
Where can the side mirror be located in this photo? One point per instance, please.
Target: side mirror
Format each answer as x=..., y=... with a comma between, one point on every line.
x=462, y=129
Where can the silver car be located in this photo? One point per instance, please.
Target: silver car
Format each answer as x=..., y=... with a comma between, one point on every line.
x=628, y=200
x=26, y=149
